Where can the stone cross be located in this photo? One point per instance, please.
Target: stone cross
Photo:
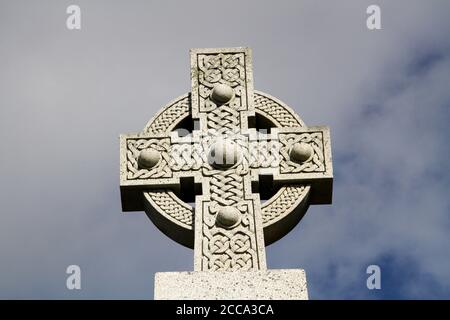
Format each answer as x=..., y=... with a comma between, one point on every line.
x=228, y=160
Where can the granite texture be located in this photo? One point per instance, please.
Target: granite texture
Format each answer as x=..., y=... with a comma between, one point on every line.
x=282, y=284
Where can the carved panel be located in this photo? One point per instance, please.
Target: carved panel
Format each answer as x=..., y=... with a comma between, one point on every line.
x=135, y=146
x=316, y=163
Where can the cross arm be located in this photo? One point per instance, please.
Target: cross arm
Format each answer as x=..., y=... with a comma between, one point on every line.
x=149, y=161
x=300, y=155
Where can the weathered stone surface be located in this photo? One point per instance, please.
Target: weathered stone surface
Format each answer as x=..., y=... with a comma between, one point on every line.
x=223, y=285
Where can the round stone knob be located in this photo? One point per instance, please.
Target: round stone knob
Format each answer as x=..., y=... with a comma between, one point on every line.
x=301, y=152
x=224, y=154
x=148, y=158
x=222, y=93
x=228, y=217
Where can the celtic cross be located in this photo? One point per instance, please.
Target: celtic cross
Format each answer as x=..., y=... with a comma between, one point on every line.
x=229, y=161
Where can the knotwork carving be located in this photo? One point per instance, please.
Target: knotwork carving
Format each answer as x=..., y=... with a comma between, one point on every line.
x=223, y=120
x=265, y=105
x=222, y=68
x=135, y=146
x=275, y=110
x=166, y=203
x=186, y=157
x=228, y=220
x=264, y=154
x=282, y=203
x=170, y=115
x=227, y=189
x=315, y=164
x=228, y=251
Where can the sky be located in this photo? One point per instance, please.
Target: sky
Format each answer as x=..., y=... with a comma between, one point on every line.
x=66, y=95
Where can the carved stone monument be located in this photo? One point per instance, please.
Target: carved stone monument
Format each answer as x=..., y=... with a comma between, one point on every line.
x=238, y=144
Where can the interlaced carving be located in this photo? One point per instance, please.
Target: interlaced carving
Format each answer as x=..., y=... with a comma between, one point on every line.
x=223, y=120
x=260, y=155
x=186, y=157
x=229, y=216
x=229, y=251
x=134, y=148
x=264, y=154
x=222, y=68
x=232, y=249
x=283, y=203
x=315, y=164
x=270, y=107
x=170, y=116
x=165, y=201
x=227, y=189
x=181, y=108
x=225, y=68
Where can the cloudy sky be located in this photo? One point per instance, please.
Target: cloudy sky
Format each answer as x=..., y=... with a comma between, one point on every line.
x=65, y=96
